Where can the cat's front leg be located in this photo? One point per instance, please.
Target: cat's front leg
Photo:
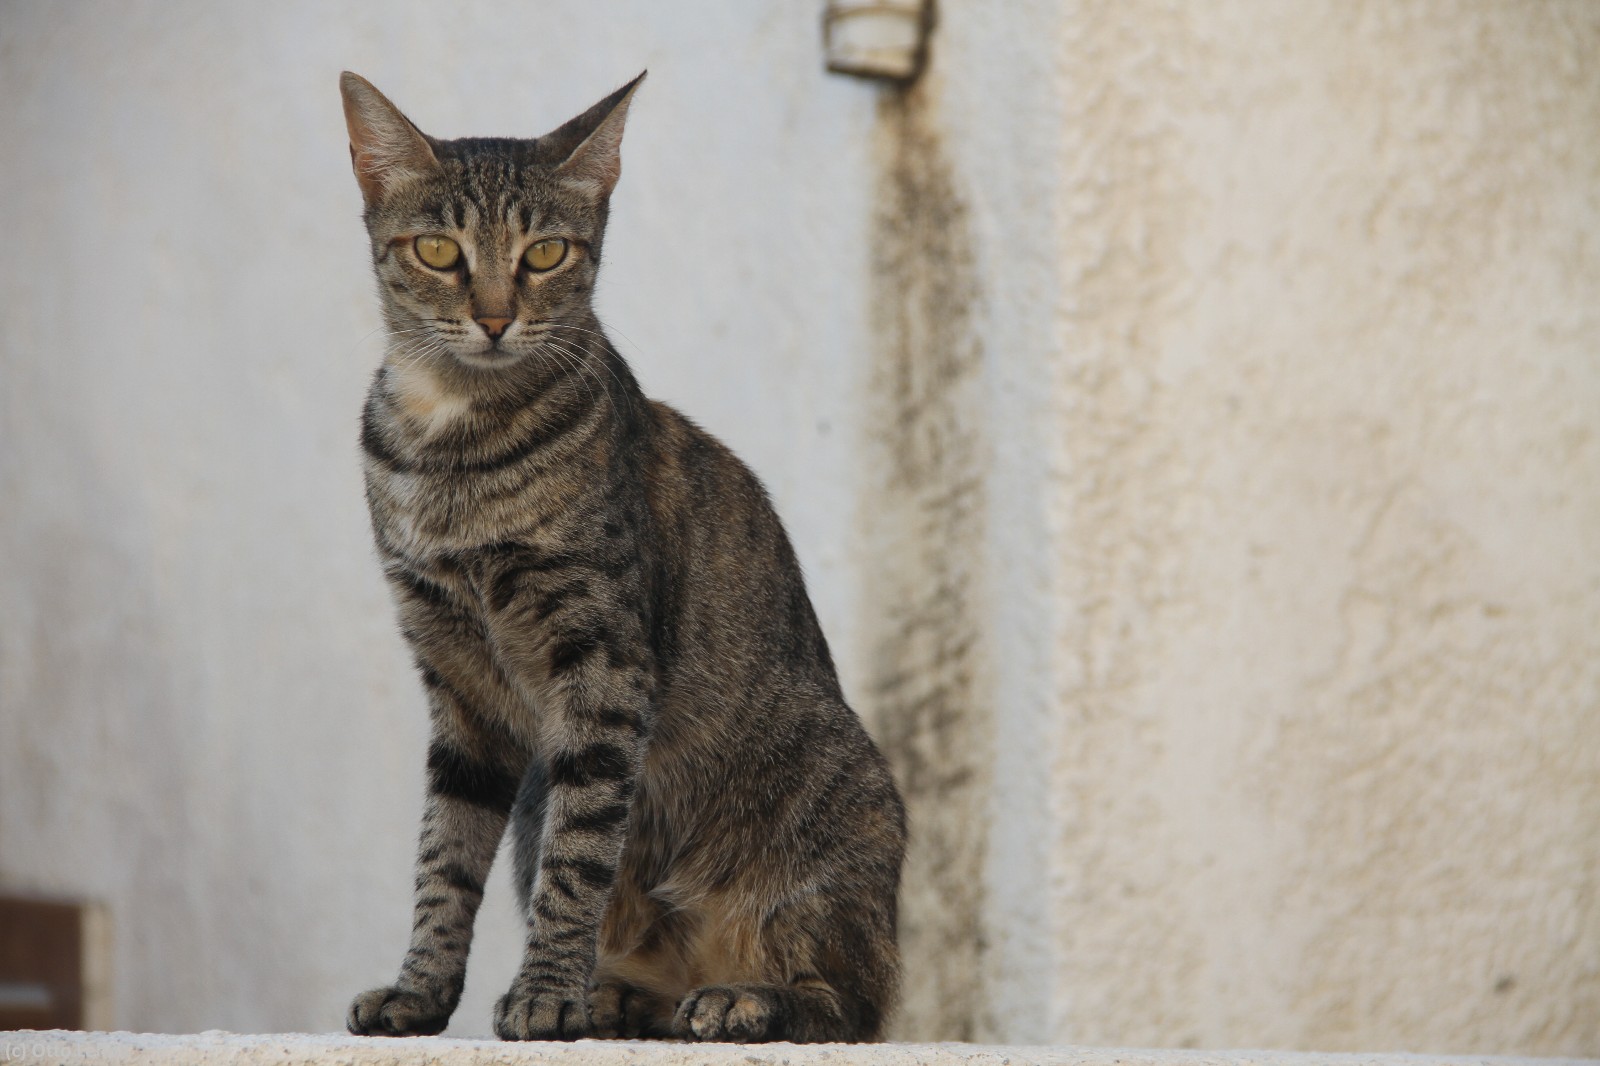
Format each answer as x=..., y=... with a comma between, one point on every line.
x=594, y=712
x=592, y=770
x=472, y=779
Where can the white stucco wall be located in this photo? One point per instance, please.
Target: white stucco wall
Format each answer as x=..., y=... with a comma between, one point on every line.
x=1185, y=412
x=1329, y=484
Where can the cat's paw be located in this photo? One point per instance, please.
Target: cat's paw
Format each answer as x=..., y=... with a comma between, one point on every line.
x=395, y=1011
x=548, y=1014
x=622, y=1010
x=725, y=1013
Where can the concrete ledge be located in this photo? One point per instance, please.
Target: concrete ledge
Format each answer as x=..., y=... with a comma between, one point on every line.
x=58, y=1048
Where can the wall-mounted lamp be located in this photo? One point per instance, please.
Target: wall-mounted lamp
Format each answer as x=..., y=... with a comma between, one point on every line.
x=876, y=38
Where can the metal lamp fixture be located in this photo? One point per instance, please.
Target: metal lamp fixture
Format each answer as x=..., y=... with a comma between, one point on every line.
x=876, y=38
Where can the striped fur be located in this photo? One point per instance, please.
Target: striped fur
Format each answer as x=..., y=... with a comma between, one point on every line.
x=619, y=655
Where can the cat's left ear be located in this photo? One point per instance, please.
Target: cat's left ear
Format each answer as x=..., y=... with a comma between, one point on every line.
x=596, y=162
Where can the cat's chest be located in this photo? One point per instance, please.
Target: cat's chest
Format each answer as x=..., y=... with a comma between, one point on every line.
x=424, y=513
x=427, y=502
x=422, y=402
x=447, y=474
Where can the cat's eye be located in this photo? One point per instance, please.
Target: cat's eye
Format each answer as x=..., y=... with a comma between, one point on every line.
x=439, y=252
x=546, y=254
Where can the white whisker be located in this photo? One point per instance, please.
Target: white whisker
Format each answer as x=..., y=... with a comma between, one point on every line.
x=551, y=347
x=626, y=392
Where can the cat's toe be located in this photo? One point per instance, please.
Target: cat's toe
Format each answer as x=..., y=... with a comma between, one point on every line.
x=605, y=1011
x=392, y=1011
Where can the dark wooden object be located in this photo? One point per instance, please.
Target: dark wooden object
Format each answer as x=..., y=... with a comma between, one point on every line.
x=41, y=965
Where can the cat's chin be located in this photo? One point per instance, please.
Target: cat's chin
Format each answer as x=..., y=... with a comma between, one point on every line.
x=491, y=359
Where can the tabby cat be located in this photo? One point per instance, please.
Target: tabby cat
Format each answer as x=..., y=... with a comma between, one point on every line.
x=619, y=655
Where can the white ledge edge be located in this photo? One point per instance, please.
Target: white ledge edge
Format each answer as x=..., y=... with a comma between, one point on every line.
x=63, y=1048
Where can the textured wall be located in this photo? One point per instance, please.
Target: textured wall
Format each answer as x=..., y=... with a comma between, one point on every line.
x=1326, y=483
x=1280, y=609
x=1329, y=482
x=1186, y=413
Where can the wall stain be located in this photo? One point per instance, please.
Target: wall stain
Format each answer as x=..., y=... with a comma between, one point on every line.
x=924, y=521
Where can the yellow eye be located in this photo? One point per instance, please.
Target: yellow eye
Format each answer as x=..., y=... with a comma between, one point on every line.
x=546, y=254
x=441, y=253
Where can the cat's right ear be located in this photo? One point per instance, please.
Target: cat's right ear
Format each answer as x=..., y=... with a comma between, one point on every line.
x=385, y=147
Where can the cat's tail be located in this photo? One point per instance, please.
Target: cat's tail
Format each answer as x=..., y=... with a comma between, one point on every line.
x=527, y=829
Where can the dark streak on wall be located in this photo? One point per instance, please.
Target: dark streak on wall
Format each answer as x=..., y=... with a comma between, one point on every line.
x=924, y=518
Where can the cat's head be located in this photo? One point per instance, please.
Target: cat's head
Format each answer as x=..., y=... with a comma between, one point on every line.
x=486, y=249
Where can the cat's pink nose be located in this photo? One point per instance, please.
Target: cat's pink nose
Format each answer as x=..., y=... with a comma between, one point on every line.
x=494, y=326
